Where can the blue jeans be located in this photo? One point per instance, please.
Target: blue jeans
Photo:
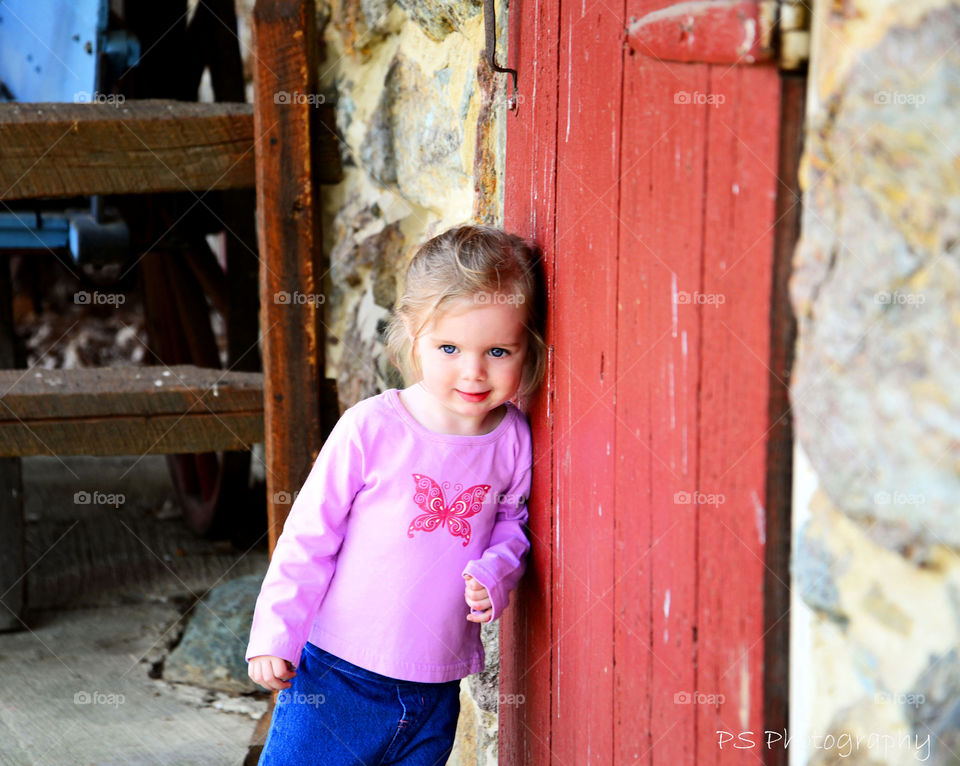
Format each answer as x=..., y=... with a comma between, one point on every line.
x=336, y=713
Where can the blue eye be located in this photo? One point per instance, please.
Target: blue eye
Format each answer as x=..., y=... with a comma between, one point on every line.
x=502, y=352
x=446, y=346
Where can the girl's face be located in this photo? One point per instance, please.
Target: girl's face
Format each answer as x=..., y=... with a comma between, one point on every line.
x=472, y=356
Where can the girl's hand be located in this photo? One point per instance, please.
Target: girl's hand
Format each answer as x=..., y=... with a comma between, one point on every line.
x=478, y=598
x=271, y=672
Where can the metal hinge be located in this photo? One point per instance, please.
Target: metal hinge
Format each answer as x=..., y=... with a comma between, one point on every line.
x=792, y=28
x=726, y=32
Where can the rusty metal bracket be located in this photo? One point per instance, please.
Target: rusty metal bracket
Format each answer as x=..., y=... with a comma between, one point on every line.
x=490, y=31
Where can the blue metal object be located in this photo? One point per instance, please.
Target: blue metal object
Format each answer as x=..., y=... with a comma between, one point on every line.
x=30, y=230
x=49, y=50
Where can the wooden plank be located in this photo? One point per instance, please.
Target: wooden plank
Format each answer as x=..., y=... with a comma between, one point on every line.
x=59, y=150
x=585, y=358
x=715, y=32
x=134, y=147
x=526, y=647
x=159, y=434
x=742, y=154
x=288, y=213
x=667, y=205
x=39, y=394
x=128, y=411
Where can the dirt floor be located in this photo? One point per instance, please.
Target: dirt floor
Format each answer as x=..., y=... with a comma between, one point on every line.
x=107, y=587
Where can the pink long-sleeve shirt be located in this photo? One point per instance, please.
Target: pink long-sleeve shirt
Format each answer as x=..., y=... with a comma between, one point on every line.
x=371, y=560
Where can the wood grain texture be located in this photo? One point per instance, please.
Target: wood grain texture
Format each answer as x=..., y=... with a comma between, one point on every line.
x=61, y=150
x=128, y=411
x=288, y=215
x=587, y=268
x=64, y=150
x=659, y=240
x=742, y=157
x=527, y=652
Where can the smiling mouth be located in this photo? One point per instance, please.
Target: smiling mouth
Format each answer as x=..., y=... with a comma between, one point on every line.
x=473, y=397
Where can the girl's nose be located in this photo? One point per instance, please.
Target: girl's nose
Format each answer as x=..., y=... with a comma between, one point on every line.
x=473, y=368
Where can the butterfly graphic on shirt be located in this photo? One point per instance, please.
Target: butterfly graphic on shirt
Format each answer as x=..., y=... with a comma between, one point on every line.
x=428, y=495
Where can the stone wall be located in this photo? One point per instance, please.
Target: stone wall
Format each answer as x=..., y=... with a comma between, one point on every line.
x=421, y=122
x=876, y=390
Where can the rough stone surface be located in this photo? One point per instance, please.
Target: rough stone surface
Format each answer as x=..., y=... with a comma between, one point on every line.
x=876, y=286
x=211, y=653
x=813, y=570
x=934, y=707
x=484, y=685
x=438, y=18
x=414, y=137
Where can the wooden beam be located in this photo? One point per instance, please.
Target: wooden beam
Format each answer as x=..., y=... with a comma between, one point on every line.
x=288, y=214
x=128, y=411
x=12, y=547
x=134, y=147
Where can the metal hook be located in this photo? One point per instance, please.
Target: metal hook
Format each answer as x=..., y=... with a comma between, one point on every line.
x=490, y=30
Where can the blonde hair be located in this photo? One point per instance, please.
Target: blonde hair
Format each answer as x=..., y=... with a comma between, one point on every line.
x=464, y=262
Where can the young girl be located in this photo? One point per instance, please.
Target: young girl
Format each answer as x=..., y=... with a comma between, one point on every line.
x=408, y=531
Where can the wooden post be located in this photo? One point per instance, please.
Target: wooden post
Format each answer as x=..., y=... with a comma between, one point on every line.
x=291, y=261
x=12, y=563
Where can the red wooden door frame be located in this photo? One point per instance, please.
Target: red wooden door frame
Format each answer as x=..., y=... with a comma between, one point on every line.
x=637, y=195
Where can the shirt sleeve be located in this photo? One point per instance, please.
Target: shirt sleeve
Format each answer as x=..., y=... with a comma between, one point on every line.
x=305, y=555
x=502, y=564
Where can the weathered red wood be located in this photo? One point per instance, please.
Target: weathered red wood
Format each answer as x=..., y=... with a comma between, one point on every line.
x=704, y=31
x=661, y=229
x=674, y=590
x=527, y=652
x=588, y=171
x=742, y=156
x=288, y=214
